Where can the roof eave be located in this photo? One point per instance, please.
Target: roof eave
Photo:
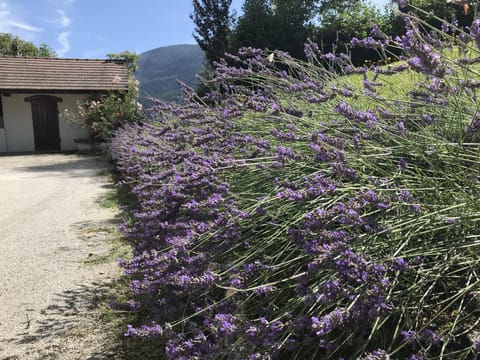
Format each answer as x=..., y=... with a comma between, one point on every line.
x=58, y=91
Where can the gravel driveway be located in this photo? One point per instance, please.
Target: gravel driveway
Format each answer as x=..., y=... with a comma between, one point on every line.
x=51, y=223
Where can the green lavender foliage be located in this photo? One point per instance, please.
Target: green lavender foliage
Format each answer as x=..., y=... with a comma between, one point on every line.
x=295, y=213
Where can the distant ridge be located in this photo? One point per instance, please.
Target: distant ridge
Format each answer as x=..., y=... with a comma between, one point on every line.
x=158, y=70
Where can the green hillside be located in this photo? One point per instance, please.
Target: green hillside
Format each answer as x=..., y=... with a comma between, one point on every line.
x=160, y=68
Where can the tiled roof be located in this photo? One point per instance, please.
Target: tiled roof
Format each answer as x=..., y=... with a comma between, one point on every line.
x=49, y=74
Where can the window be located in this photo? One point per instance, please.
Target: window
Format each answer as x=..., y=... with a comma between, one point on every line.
x=1, y=113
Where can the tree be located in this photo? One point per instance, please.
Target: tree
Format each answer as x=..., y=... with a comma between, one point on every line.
x=255, y=27
x=130, y=58
x=293, y=24
x=212, y=20
x=463, y=11
x=341, y=24
x=338, y=6
x=14, y=46
x=275, y=24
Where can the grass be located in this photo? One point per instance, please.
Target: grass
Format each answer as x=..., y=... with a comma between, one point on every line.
x=116, y=318
x=119, y=249
x=111, y=200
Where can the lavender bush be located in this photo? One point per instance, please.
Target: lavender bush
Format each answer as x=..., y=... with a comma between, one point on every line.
x=295, y=213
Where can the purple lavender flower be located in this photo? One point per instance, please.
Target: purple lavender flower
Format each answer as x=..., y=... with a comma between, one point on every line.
x=224, y=323
x=474, y=126
x=415, y=357
x=427, y=119
x=475, y=32
x=476, y=346
x=399, y=264
x=402, y=164
x=368, y=43
x=236, y=282
x=409, y=335
x=329, y=322
x=311, y=49
x=296, y=87
x=376, y=355
x=448, y=220
x=264, y=289
x=131, y=331
x=431, y=337
x=329, y=57
x=275, y=108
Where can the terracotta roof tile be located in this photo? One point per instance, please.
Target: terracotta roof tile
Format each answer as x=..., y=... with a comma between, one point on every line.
x=23, y=73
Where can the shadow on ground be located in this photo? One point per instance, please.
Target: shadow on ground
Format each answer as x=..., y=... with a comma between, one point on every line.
x=64, y=314
x=72, y=165
x=70, y=327
x=84, y=313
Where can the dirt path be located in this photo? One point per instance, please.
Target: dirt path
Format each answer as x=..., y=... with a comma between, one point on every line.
x=51, y=223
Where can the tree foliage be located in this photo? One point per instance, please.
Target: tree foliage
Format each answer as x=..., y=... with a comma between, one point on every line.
x=293, y=22
x=287, y=24
x=341, y=24
x=339, y=6
x=130, y=58
x=255, y=27
x=447, y=10
x=212, y=26
x=14, y=46
x=275, y=24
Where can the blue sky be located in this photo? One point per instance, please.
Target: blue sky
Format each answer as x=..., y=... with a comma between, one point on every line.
x=94, y=28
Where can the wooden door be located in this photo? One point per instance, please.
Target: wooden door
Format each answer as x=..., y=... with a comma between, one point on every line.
x=46, y=132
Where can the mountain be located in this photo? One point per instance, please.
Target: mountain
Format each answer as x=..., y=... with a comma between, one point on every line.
x=158, y=70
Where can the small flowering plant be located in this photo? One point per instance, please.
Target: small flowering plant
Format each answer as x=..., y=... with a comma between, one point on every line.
x=295, y=212
x=102, y=114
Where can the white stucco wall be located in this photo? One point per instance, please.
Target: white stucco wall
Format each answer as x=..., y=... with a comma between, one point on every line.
x=68, y=132
x=17, y=118
x=17, y=114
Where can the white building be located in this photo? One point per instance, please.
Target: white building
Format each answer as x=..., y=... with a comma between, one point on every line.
x=34, y=91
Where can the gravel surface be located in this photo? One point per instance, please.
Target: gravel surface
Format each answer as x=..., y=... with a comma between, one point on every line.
x=51, y=223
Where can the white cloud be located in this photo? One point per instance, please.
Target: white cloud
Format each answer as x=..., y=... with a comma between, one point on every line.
x=62, y=3
x=23, y=26
x=10, y=24
x=64, y=43
x=64, y=20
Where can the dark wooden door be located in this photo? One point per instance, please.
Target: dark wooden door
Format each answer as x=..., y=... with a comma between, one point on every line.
x=46, y=131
